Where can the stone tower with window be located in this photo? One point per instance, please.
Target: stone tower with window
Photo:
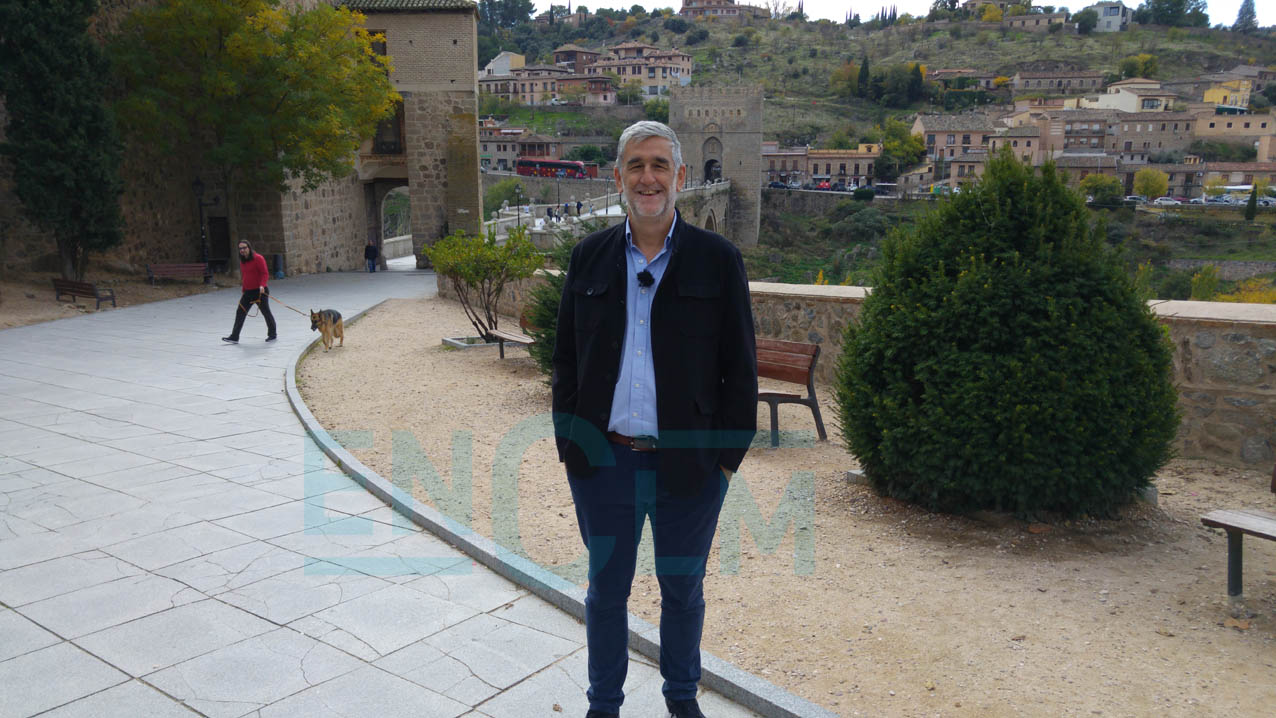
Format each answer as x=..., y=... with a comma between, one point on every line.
x=720, y=129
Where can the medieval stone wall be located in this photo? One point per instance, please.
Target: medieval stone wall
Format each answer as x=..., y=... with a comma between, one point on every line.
x=324, y=229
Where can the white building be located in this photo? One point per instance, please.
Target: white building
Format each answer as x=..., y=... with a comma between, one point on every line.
x=1113, y=16
x=504, y=64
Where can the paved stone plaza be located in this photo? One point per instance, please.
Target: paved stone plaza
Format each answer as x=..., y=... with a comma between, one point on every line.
x=172, y=544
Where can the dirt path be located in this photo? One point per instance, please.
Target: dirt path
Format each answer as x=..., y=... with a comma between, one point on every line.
x=902, y=612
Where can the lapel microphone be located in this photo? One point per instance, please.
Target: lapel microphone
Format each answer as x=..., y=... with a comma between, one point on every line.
x=645, y=279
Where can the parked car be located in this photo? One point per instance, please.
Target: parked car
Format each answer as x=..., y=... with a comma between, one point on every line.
x=1196, y=200
x=1136, y=198
x=777, y=185
x=1266, y=202
x=838, y=187
x=824, y=184
x=794, y=184
x=1218, y=199
x=1165, y=201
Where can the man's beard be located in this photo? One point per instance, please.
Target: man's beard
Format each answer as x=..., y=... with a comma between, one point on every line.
x=671, y=198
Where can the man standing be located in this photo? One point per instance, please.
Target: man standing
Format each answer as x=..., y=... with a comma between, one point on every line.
x=253, y=268
x=655, y=403
x=370, y=255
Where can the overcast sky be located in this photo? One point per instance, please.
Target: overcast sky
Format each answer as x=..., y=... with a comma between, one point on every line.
x=1221, y=11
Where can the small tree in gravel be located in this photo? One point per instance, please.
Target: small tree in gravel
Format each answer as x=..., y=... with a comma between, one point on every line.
x=479, y=269
x=1004, y=359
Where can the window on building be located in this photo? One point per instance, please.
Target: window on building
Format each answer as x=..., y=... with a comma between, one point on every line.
x=772, y=164
x=1014, y=143
x=930, y=139
x=1028, y=143
x=1229, y=125
x=841, y=168
x=965, y=139
x=952, y=139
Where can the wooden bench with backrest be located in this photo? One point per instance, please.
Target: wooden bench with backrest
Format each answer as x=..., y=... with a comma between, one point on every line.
x=195, y=270
x=1237, y=523
x=792, y=362
x=74, y=289
x=501, y=336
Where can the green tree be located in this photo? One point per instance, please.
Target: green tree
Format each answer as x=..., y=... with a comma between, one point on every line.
x=587, y=153
x=1151, y=183
x=900, y=149
x=479, y=269
x=657, y=110
x=268, y=94
x=1004, y=359
x=1179, y=13
x=1246, y=21
x=1141, y=65
x=839, y=140
x=862, y=82
x=507, y=190
x=844, y=81
x=1251, y=207
x=60, y=136
x=1105, y=190
x=1086, y=21
x=629, y=93
x=1205, y=283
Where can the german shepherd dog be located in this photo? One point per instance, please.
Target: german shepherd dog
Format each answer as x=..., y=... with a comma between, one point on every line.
x=329, y=325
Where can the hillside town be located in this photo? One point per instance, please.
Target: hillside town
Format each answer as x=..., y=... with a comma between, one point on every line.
x=1086, y=121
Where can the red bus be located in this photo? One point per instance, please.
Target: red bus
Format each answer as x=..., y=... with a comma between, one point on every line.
x=548, y=167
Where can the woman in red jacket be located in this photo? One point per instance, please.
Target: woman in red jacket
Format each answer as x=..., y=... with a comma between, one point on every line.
x=253, y=267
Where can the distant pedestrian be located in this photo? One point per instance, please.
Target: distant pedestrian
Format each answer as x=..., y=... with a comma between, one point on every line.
x=252, y=267
x=567, y=210
x=579, y=204
x=370, y=254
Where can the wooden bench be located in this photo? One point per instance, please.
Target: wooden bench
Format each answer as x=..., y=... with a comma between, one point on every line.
x=74, y=289
x=501, y=336
x=1237, y=523
x=792, y=362
x=196, y=270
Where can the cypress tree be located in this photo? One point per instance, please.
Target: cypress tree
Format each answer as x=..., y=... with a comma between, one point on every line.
x=1251, y=207
x=861, y=87
x=61, y=137
x=1246, y=21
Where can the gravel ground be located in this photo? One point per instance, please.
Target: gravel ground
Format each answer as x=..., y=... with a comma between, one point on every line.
x=903, y=612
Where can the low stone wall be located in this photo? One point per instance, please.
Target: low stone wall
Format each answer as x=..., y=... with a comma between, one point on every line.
x=1224, y=359
x=1230, y=270
x=806, y=202
x=396, y=247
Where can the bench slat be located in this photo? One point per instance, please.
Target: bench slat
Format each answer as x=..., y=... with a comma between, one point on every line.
x=801, y=361
x=1249, y=521
x=511, y=336
x=780, y=345
x=783, y=373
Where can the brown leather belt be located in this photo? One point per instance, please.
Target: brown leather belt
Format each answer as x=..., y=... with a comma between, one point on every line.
x=637, y=443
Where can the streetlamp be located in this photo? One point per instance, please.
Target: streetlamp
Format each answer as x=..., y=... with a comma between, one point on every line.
x=198, y=188
x=518, y=211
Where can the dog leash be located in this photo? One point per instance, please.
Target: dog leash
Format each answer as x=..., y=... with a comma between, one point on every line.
x=270, y=296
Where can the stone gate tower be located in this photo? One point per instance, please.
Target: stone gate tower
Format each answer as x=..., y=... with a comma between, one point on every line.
x=721, y=133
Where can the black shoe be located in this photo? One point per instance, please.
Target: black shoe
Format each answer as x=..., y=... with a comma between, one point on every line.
x=230, y=340
x=600, y=714
x=271, y=338
x=683, y=709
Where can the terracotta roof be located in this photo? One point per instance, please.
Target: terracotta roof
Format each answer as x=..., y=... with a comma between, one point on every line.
x=1134, y=81
x=953, y=123
x=1241, y=166
x=572, y=47
x=406, y=5
x=1023, y=131
x=1085, y=161
x=1052, y=75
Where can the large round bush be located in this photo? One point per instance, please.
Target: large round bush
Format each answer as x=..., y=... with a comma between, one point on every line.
x=1004, y=360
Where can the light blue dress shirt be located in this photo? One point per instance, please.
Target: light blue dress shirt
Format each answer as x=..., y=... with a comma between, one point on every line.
x=633, y=405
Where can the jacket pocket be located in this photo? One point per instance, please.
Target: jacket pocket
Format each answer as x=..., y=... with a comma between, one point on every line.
x=699, y=308
x=591, y=309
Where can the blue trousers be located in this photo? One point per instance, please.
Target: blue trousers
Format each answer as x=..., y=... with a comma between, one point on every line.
x=611, y=506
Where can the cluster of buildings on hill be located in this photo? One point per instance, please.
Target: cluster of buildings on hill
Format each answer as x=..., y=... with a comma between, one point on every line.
x=1072, y=119
x=585, y=77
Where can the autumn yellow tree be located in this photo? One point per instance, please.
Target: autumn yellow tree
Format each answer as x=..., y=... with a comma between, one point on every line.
x=991, y=13
x=1151, y=183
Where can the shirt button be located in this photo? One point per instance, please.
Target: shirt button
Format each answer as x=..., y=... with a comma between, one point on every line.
x=639, y=352
x=642, y=321
x=635, y=413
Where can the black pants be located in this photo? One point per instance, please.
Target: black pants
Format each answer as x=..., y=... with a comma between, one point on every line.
x=246, y=303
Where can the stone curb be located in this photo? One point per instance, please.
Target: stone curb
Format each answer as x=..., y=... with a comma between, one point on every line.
x=740, y=686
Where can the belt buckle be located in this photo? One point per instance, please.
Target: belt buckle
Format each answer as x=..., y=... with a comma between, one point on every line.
x=643, y=443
